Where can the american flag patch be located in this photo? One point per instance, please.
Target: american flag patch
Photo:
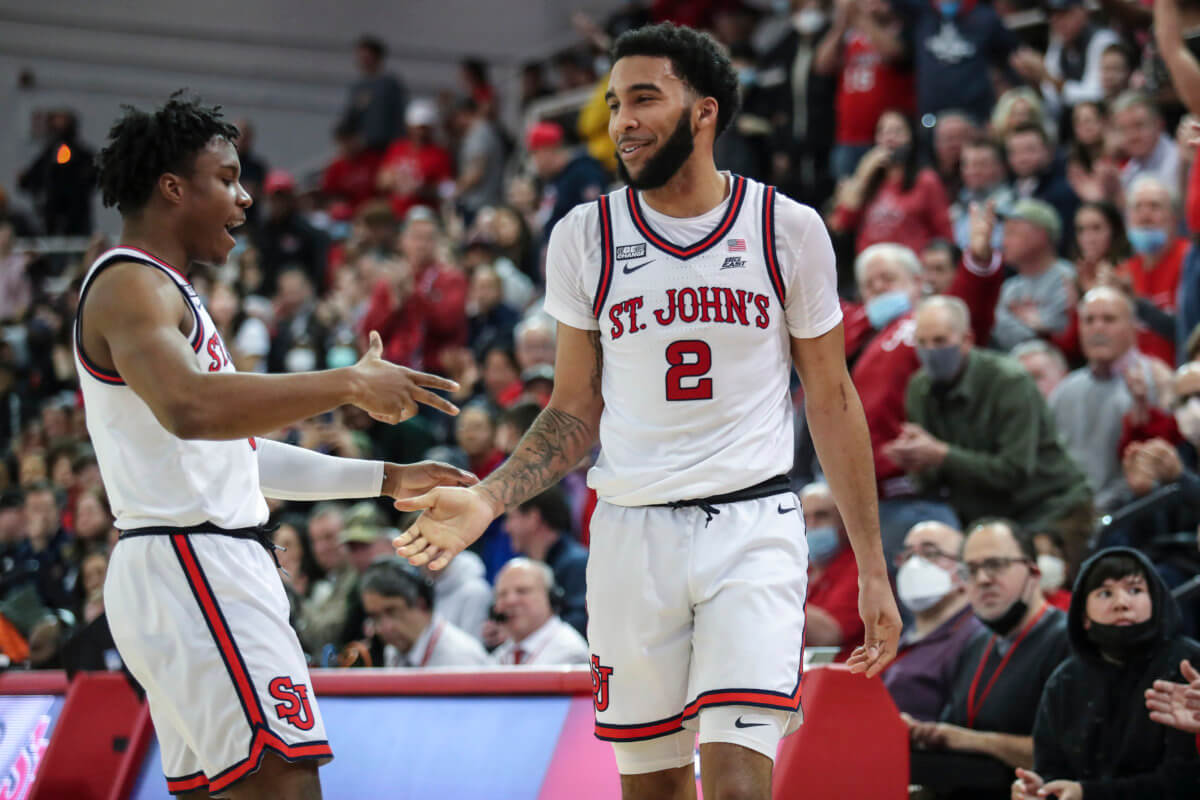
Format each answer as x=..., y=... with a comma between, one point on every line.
x=736, y=245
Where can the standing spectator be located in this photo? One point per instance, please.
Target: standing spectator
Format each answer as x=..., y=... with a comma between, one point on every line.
x=472, y=74
x=951, y=133
x=415, y=168
x=1152, y=274
x=1144, y=140
x=397, y=315
x=377, y=100
x=285, y=238
x=1070, y=72
x=981, y=435
x=534, y=635
x=832, y=608
x=890, y=198
x=16, y=290
x=865, y=49
x=569, y=177
x=930, y=586
x=1033, y=302
x=23, y=224
x=254, y=168
x=1116, y=68
x=954, y=47
x=350, y=178
x=440, y=288
x=62, y=178
x=939, y=264
x=1044, y=363
x=480, y=160
x=1092, y=737
x=1100, y=244
x=1018, y=106
x=540, y=529
x=1038, y=174
x=400, y=603
x=1090, y=404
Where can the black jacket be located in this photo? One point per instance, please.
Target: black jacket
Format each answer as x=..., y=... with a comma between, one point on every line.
x=1092, y=725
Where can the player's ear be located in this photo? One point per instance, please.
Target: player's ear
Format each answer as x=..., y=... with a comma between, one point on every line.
x=170, y=186
x=705, y=113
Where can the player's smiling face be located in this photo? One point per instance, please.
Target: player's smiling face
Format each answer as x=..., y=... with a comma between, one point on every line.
x=650, y=111
x=215, y=202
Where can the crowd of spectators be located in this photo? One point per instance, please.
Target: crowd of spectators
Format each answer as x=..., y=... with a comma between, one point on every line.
x=1014, y=210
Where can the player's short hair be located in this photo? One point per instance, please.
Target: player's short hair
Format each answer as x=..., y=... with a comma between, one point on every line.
x=143, y=145
x=695, y=57
x=898, y=253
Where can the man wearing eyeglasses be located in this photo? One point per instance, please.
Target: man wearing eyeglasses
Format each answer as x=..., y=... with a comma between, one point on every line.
x=986, y=727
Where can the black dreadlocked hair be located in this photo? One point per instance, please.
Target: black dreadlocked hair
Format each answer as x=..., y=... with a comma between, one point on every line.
x=144, y=145
x=695, y=57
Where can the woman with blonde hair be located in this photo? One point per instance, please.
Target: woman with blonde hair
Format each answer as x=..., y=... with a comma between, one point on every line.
x=1017, y=106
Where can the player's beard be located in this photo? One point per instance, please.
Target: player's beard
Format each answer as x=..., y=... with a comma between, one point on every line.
x=662, y=166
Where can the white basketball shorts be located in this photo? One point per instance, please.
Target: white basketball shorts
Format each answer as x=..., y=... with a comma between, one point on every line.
x=690, y=610
x=201, y=621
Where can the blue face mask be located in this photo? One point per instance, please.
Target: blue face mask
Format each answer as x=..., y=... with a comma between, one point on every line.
x=942, y=363
x=823, y=543
x=950, y=9
x=886, y=307
x=1147, y=240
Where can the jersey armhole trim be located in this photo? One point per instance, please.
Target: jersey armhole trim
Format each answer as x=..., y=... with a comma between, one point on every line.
x=606, y=257
x=770, y=255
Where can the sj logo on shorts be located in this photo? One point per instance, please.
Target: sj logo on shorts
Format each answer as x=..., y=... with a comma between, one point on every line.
x=600, y=683
x=293, y=708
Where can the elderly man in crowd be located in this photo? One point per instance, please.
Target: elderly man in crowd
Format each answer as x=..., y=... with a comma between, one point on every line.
x=1035, y=301
x=534, y=634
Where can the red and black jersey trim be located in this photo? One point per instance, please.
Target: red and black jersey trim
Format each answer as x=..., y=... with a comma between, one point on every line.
x=738, y=195
x=606, y=256
x=263, y=737
x=770, y=256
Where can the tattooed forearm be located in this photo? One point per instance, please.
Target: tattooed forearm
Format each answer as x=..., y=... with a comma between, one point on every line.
x=552, y=447
x=598, y=353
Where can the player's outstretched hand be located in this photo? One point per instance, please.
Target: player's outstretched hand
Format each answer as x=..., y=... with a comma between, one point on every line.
x=390, y=393
x=452, y=519
x=1177, y=704
x=402, y=481
x=881, y=626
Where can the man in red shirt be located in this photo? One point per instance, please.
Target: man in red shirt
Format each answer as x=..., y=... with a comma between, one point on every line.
x=350, y=178
x=415, y=166
x=832, y=618
x=1152, y=275
x=865, y=49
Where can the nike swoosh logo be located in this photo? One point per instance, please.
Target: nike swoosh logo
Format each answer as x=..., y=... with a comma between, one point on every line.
x=783, y=510
x=737, y=723
x=628, y=269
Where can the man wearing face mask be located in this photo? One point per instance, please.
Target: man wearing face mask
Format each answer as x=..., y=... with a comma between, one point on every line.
x=981, y=435
x=986, y=726
x=1092, y=738
x=833, y=619
x=930, y=587
x=1152, y=274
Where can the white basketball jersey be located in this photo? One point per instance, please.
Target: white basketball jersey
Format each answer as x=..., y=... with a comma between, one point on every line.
x=152, y=477
x=695, y=337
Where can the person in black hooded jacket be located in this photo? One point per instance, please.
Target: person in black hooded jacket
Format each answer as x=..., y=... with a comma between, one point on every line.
x=1092, y=739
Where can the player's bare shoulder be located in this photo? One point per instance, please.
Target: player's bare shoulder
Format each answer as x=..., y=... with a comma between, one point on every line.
x=126, y=293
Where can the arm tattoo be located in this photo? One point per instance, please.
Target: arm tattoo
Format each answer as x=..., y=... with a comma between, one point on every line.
x=548, y=451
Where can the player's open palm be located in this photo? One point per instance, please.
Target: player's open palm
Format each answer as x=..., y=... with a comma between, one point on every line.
x=390, y=393
x=451, y=519
x=881, y=626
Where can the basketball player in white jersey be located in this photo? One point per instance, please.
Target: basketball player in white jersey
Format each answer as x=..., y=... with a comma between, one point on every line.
x=683, y=303
x=193, y=597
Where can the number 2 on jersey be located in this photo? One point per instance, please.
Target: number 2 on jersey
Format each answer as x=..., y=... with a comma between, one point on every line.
x=682, y=367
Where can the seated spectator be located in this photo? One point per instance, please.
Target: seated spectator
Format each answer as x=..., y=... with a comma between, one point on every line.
x=1116, y=68
x=1020, y=105
x=441, y=288
x=516, y=289
x=1144, y=140
x=501, y=376
x=461, y=594
x=939, y=265
x=1052, y=563
x=1092, y=737
x=408, y=631
x=513, y=423
x=832, y=618
x=890, y=198
x=1089, y=405
x=247, y=337
x=323, y=618
x=364, y=535
x=93, y=518
x=46, y=544
x=984, y=180
x=534, y=635
x=540, y=529
x=535, y=339
x=1152, y=275
x=1033, y=302
x=930, y=586
x=489, y=319
x=1039, y=175
x=1044, y=363
x=285, y=239
x=300, y=340
x=569, y=176
x=1100, y=244
x=397, y=315
x=350, y=178
x=981, y=435
x=1093, y=169
x=298, y=568
x=999, y=678
x=415, y=167
x=475, y=432
x=952, y=130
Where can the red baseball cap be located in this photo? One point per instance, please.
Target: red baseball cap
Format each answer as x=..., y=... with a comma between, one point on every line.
x=544, y=134
x=279, y=180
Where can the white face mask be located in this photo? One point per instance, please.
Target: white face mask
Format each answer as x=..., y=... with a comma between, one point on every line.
x=1054, y=571
x=922, y=584
x=808, y=21
x=1187, y=417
